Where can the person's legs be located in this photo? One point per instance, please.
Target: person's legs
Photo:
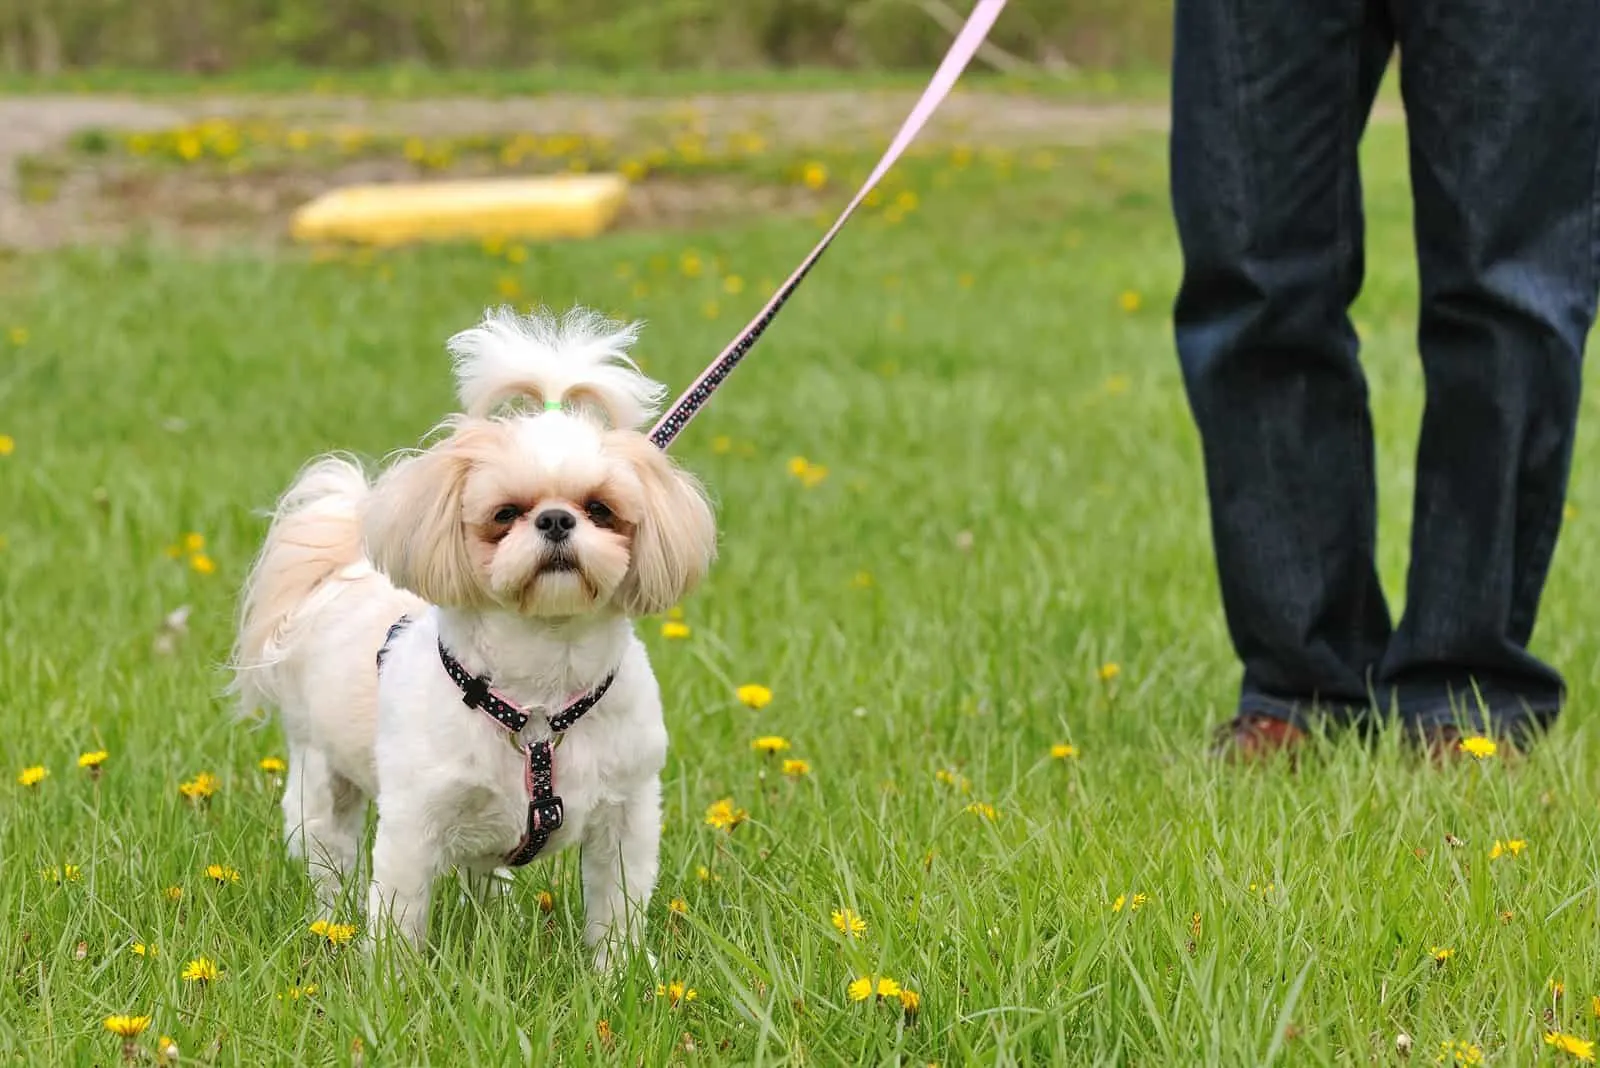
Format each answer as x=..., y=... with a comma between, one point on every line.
x=1503, y=108
x=1270, y=98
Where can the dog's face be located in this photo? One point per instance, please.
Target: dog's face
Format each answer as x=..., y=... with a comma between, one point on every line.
x=547, y=515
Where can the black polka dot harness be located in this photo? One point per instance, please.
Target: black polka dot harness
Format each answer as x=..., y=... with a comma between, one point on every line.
x=545, y=810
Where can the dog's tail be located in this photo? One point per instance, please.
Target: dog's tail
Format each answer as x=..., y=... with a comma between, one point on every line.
x=315, y=535
x=579, y=360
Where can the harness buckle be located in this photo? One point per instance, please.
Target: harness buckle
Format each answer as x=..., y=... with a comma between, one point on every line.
x=545, y=817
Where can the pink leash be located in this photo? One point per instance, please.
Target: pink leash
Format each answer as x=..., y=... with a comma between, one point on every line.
x=687, y=406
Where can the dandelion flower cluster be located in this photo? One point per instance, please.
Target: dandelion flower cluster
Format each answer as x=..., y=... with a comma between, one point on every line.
x=676, y=992
x=724, y=816
x=754, y=695
x=201, y=970
x=1580, y=1049
x=849, y=923
x=199, y=788
x=127, y=1026
x=336, y=934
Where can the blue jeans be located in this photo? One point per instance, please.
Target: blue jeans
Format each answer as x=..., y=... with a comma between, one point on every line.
x=1269, y=101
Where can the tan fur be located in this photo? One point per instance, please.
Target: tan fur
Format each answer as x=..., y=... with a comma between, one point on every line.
x=675, y=542
x=315, y=533
x=413, y=521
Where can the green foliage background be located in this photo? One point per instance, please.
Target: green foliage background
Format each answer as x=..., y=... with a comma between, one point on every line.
x=46, y=36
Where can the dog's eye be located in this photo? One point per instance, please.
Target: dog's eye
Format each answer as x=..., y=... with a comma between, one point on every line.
x=599, y=513
x=507, y=513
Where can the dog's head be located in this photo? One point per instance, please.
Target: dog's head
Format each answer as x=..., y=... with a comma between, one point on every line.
x=549, y=515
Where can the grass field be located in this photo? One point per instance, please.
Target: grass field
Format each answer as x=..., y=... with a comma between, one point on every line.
x=1007, y=552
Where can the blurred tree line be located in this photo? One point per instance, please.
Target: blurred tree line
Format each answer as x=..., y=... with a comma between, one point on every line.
x=46, y=36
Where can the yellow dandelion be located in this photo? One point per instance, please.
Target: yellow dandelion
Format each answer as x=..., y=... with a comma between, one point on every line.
x=910, y=1001
x=1569, y=513
x=706, y=875
x=67, y=873
x=33, y=776
x=1441, y=954
x=724, y=816
x=888, y=988
x=946, y=777
x=272, y=765
x=1134, y=904
x=516, y=254
x=813, y=476
x=141, y=949
x=859, y=989
x=861, y=580
x=965, y=280
x=1478, y=746
x=678, y=907
x=733, y=285
x=173, y=893
x=127, y=1026
x=1063, y=751
x=770, y=744
x=674, y=629
x=547, y=901
x=199, y=788
x=983, y=809
x=814, y=175
x=1512, y=847
x=1129, y=301
x=754, y=695
x=1577, y=1048
x=296, y=993
x=18, y=335
x=1117, y=385
x=201, y=970
x=691, y=264
x=219, y=873
x=722, y=444
x=193, y=542
x=1109, y=671
x=202, y=564
x=711, y=309
x=336, y=934
x=796, y=768
x=8, y=445
x=1557, y=988
x=848, y=922
x=1455, y=1051
x=676, y=992
x=507, y=287
x=93, y=759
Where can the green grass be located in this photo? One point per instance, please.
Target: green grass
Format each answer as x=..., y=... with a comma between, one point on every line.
x=969, y=376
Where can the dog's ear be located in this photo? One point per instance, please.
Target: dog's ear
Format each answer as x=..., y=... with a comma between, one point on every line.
x=413, y=525
x=675, y=540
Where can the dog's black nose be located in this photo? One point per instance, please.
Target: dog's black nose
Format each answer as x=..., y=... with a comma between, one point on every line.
x=555, y=524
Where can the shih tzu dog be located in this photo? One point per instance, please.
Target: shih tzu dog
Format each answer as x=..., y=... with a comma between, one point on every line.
x=454, y=640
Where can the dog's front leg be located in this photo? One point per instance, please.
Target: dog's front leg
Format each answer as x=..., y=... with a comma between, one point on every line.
x=405, y=863
x=621, y=854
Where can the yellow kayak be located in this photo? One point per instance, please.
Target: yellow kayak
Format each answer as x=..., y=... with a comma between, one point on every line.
x=542, y=208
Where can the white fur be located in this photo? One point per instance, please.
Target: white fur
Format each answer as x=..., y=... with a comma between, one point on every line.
x=449, y=788
x=581, y=357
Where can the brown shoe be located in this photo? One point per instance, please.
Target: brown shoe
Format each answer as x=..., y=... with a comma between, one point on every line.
x=1257, y=739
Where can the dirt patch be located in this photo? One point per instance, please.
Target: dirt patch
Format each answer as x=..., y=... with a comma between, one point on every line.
x=61, y=197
